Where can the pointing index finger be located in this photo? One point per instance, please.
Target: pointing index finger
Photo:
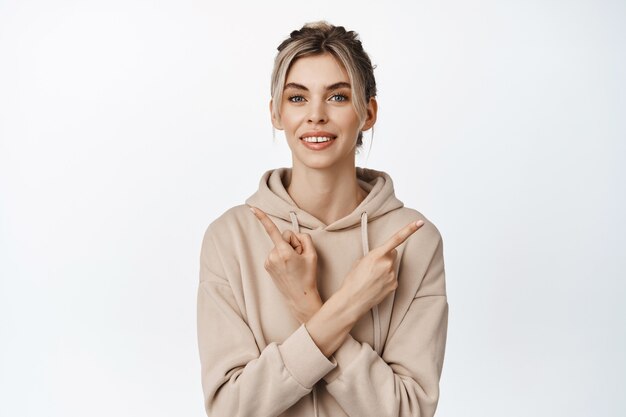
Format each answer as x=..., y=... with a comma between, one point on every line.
x=402, y=235
x=268, y=225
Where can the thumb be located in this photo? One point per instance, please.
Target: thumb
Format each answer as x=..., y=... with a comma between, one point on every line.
x=291, y=238
x=307, y=243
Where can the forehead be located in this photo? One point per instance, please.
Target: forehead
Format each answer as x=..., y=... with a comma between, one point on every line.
x=323, y=69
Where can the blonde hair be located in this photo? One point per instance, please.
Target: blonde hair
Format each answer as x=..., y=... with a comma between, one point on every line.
x=320, y=37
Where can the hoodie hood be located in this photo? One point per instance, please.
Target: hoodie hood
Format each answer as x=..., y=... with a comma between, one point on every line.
x=273, y=199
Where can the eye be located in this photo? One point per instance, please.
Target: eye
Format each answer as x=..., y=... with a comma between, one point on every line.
x=340, y=97
x=295, y=99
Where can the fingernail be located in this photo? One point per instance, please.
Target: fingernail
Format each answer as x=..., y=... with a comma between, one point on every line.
x=252, y=209
x=419, y=223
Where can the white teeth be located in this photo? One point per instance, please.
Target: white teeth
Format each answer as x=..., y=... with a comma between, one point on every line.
x=316, y=139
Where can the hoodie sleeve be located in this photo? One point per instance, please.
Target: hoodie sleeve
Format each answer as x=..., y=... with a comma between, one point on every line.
x=405, y=380
x=238, y=379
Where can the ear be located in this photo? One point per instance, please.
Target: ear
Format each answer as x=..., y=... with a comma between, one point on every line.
x=372, y=111
x=276, y=123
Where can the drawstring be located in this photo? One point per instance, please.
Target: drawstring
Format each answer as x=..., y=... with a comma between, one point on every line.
x=375, y=316
x=294, y=222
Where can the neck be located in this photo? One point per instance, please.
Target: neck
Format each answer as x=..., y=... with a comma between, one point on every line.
x=329, y=194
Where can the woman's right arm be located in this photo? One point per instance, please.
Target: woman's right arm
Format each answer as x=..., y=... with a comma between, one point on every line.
x=403, y=380
x=237, y=378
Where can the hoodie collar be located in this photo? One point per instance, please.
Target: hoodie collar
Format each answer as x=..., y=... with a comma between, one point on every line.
x=273, y=199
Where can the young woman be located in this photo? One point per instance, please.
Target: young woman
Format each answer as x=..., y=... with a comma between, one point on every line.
x=323, y=295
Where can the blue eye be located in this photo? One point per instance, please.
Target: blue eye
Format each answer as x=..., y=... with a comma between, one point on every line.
x=341, y=96
x=291, y=98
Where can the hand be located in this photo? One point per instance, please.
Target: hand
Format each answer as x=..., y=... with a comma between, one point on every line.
x=373, y=276
x=292, y=264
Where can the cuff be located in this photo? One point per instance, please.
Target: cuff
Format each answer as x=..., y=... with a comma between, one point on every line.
x=344, y=356
x=303, y=359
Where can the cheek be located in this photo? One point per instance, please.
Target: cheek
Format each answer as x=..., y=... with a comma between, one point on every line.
x=292, y=117
x=290, y=124
x=349, y=117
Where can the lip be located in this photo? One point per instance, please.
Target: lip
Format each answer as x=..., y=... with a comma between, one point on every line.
x=318, y=133
x=317, y=146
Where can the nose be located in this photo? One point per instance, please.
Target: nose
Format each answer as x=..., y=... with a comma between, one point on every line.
x=317, y=112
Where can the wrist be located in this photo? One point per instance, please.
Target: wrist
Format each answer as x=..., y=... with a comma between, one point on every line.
x=351, y=308
x=330, y=325
x=308, y=305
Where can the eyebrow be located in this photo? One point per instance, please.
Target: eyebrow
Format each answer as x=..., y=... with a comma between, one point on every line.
x=341, y=84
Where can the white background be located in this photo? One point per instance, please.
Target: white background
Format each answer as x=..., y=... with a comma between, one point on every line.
x=126, y=127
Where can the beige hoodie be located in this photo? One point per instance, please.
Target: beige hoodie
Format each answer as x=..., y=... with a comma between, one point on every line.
x=258, y=360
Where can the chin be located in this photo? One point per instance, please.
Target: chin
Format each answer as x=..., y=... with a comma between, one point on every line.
x=320, y=161
x=315, y=164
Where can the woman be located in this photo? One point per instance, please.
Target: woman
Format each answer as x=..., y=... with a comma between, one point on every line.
x=296, y=315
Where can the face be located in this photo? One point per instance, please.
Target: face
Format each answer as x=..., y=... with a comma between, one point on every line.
x=316, y=103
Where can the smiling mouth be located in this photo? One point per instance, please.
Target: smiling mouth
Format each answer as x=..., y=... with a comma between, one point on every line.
x=318, y=139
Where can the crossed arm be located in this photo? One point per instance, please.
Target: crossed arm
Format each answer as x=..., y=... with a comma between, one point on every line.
x=240, y=379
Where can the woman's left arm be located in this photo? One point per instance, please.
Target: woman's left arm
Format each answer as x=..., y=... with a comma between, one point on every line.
x=404, y=380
